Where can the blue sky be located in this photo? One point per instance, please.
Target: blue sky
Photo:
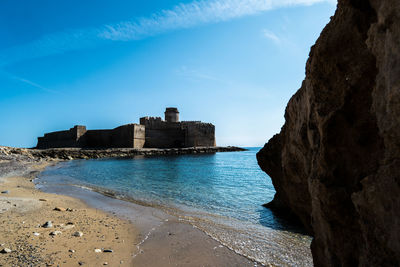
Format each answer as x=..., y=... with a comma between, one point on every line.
x=234, y=63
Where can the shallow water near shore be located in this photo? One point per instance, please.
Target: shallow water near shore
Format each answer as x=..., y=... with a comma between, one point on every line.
x=219, y=193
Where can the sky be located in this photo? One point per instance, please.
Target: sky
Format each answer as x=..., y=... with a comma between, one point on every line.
x=234, y=63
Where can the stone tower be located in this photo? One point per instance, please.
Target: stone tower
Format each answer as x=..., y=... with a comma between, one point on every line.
x=171, y=115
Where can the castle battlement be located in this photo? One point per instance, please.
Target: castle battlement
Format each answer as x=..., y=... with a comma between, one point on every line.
x=152, y=132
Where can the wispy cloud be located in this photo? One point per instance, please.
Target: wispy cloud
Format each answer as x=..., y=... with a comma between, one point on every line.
x=238, y=87
x=196, y=75
x=271, y=36
x=29, y=82
x=179, y=17
x=194, y=14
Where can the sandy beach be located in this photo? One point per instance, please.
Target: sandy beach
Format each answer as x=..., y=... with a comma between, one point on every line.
x=25, y=210
x=95, y=231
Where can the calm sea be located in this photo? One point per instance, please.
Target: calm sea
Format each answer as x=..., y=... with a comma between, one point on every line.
x=220, y=194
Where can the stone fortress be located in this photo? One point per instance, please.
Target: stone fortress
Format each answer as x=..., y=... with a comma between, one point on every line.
x=152, y=132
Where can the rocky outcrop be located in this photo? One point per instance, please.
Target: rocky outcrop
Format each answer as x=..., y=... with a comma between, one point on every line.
x=24, y=154
x=335, y=163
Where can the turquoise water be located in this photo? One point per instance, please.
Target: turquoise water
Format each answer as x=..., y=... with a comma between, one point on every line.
x=219, y=193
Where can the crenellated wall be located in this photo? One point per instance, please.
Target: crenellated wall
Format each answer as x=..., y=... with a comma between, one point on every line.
x=163, y=134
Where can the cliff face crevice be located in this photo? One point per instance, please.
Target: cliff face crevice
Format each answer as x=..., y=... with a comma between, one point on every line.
x=334, y=162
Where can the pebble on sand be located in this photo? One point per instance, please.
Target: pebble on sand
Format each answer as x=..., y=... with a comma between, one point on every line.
x=60, y=209
x=48, y=224
x=6, y=250
x=68, y=226
x=55, y=233
x=78, y=234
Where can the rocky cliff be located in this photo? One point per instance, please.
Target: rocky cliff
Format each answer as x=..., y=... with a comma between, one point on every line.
x=336, y=162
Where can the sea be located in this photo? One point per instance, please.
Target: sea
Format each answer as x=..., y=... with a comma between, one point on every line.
x=221, y=194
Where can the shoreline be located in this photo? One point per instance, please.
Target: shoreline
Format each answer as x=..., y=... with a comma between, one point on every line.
x=277, y=244
x=83, y=153
x=162, y=235
x=156, y=238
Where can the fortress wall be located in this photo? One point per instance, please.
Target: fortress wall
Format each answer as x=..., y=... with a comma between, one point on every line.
x=130, y=135
x=151, y=122
x=98, y=138
x=67, y=138
x=122, y=136
x=139, y=136
x=165, y=138
x=199, y=134
x=162, y=134
x=153, y=132
x=80, y=131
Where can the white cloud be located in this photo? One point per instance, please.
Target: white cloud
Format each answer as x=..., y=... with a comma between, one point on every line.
x=194, y=14
x=270, y=35
x=179, y=17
